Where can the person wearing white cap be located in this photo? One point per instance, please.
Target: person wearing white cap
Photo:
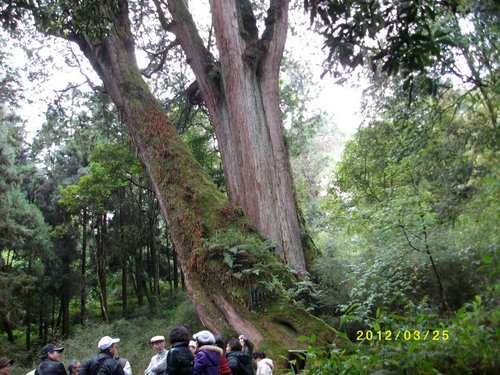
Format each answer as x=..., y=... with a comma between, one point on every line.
x=207, y=357
x=158, y=363
x=193, y=345
x=105, y=362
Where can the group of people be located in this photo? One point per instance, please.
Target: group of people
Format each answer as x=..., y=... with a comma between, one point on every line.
x=205, y=354
x=200, y=354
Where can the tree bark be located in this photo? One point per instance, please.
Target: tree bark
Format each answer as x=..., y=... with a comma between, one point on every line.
x=83, y=291
x=241, y=93
x=123, y=257
x=101, y=264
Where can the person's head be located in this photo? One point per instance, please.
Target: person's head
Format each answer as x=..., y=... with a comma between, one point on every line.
x=179, y=334
x=257, y=356
x=192, y=346
x=73, y=367
x=242, y=340
x=219, y=342
x=108, y=344
x=5, y=364
x=52, y=352
x=233, y=345
x=158, y=343
x=204, y=338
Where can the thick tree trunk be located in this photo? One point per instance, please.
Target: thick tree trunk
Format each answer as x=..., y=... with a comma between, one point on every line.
x=196, y=211
x=241, y=93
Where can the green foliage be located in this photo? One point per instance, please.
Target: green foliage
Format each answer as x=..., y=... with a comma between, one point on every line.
x=405, y=188
x=411, y=42
x=418, y=343
x=407, y=37
x=25, y=243
x=68, y=17
x=111, y=167
x=297, y=93
x=199, y=136
x=248, y=262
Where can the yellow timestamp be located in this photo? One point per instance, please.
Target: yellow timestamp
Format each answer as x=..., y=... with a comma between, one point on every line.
x=406, y=335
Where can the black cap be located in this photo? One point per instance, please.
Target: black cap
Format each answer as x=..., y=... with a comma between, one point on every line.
x=4, y=362
x=51, y=348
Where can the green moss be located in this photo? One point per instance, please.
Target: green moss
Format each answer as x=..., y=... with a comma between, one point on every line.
x=290, y=328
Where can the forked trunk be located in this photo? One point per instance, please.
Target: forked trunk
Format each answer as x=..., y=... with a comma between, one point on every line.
x=241, y=93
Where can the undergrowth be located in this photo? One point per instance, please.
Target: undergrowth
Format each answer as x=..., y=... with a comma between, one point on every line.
x=418, y=343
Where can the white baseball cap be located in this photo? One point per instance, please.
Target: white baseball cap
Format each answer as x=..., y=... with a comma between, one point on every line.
x=106, y=342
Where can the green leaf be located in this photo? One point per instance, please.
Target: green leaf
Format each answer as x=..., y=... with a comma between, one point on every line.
x=228, y=259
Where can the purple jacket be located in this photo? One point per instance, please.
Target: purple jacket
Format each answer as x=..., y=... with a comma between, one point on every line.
x=206, y=360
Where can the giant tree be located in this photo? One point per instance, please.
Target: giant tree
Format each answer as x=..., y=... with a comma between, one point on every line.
x=234, y=286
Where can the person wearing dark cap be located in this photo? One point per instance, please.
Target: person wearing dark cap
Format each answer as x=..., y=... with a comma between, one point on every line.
x=103, y=363
x=5, y=364
x=207, y=357
x=51, y=361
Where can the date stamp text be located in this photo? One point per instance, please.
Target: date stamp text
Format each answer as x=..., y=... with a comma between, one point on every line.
x=406, y=335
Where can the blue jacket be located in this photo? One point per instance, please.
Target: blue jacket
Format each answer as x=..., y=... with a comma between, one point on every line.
x=207, y=360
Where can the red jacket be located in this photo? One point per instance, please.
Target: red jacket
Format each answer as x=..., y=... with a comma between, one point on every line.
x=224, y=366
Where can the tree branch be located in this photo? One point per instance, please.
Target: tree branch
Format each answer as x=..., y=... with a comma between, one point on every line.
x=199, y=58
x=138, y=185
x=93, y=86
x=163, y=59
x=167, y=26
x=272, y=43
x=402, y=227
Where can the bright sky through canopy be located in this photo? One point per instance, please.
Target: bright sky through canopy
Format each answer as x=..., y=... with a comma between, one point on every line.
x=341, y=103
